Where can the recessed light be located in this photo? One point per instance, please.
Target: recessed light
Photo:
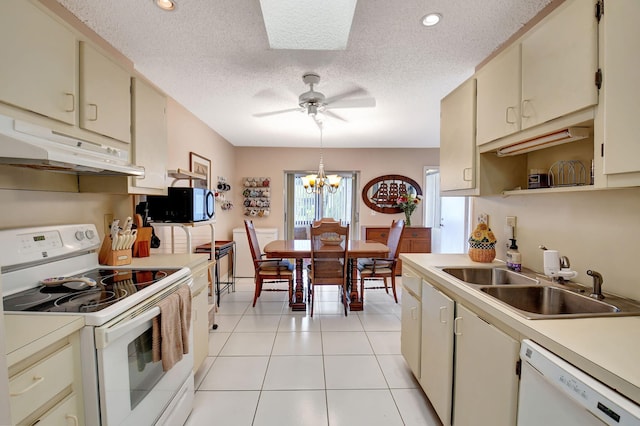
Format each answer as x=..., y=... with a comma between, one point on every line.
x=431, y=19
x=165, y=4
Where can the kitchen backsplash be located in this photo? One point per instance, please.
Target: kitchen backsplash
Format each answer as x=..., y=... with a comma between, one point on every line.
x=596, y=230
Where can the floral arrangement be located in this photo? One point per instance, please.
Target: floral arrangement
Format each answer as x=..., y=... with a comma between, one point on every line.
x=482, y=243
x=408, y=203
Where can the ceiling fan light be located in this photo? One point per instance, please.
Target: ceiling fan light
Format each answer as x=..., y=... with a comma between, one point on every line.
x=168, y=5
x=431, y=19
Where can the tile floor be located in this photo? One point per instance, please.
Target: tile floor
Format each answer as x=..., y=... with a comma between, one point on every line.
x=270, y=366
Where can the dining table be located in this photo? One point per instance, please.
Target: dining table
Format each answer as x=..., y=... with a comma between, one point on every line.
x=301, y=250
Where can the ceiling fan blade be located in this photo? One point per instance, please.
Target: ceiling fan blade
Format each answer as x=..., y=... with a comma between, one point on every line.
x=353, y=92
x=354, y=103
x=333, y=115
x=282, y=111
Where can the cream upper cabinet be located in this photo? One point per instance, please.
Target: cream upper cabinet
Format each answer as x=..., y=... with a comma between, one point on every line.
x=547, y=74
x=621, y=92
x=498, y=97
x=105, y=95
x=559, y=62
x=436, y=365
x=486, y=382
x=457, y=138
x=39, y=68
x=149, y=148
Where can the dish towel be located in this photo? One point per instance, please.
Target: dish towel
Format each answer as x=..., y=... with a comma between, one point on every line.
x=170, y=330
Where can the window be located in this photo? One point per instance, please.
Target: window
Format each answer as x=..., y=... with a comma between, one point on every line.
x=303, y=208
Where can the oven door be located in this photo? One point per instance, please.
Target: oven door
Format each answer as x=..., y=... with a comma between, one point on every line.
x=133, y=389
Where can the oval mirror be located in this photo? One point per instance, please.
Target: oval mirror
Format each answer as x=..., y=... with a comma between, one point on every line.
x=380, y=194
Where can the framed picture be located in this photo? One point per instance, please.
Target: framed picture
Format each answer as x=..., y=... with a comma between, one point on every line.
x=202, y=166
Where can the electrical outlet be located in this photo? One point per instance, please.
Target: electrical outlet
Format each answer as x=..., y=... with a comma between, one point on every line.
x=108, y=219
x=483, y=218
x=511, y=221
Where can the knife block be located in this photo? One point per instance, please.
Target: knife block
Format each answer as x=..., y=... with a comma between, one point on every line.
x=108, y=256
x=142, y=245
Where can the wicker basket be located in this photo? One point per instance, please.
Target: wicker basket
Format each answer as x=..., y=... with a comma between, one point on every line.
x=484, y=255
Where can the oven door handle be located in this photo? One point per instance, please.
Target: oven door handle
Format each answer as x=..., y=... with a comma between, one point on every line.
x=105, y=335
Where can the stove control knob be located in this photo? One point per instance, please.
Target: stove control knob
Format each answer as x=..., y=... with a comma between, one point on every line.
x=89, y=234
x=79, y=235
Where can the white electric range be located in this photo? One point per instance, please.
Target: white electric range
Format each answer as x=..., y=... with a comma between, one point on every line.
x=121, y=383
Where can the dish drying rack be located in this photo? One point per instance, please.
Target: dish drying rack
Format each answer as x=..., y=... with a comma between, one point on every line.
x=567, y=173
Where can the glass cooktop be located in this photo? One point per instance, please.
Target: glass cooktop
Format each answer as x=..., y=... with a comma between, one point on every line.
x=112, y=285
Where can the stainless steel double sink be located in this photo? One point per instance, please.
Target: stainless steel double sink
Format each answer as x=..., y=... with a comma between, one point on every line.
x=534, y=298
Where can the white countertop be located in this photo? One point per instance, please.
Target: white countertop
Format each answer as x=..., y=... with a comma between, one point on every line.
x=606, y=348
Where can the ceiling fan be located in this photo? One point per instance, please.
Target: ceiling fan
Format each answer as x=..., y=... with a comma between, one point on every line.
x=317, y=105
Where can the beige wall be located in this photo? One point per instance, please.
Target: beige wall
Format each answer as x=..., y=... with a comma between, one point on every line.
x=39, y=208
x=596, y=230
x=371, y=163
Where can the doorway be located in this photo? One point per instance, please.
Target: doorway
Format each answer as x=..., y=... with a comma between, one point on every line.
x=448, y=217
x=303, y=207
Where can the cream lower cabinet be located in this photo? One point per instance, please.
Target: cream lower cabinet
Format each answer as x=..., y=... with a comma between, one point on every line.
x=486, y=381
x=38, y=71
x=44, y=388
x=436, y=373
x=411, y=320
x=199, y=315
x=105, y=95
x=467, y=367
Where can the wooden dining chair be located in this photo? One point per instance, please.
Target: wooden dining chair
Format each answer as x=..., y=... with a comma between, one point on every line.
x=329, y=248
x=376, y=268
x=325, y=220
x=269, y=270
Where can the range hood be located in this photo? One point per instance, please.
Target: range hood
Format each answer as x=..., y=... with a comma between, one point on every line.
x=28, y=145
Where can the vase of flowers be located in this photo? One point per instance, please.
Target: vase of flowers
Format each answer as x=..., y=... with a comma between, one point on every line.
x=408, y=203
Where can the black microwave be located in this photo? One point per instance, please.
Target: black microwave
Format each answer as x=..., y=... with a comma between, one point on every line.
x=182, y=205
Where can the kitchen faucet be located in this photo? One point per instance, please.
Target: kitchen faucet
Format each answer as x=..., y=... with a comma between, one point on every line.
x=597, y=284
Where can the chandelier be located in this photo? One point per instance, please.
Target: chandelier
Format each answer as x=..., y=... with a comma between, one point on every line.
x=317, y=183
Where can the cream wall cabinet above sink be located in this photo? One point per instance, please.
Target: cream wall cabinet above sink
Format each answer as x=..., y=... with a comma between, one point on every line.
x=548, y=73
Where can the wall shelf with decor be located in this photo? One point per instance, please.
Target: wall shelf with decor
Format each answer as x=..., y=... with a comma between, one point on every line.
x=257, y=196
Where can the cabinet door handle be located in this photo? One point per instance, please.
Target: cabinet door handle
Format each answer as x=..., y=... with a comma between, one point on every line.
x=413, y=313
x=443, y=309
x=72, y=418
x=95, y=112
x=71, y=97
x=457, y=329
x=467, y=174
x=525, y=102
x=513, y=110
x=36, y=381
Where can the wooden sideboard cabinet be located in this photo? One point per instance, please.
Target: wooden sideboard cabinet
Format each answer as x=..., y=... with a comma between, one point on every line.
x=414, y=239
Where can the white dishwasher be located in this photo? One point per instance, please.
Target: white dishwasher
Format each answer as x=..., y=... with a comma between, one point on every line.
x=554, y=392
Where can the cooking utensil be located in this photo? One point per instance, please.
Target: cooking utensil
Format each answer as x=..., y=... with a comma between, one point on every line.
x=55, y=281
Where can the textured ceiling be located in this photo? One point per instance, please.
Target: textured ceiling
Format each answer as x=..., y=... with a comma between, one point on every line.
x=213, y=57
